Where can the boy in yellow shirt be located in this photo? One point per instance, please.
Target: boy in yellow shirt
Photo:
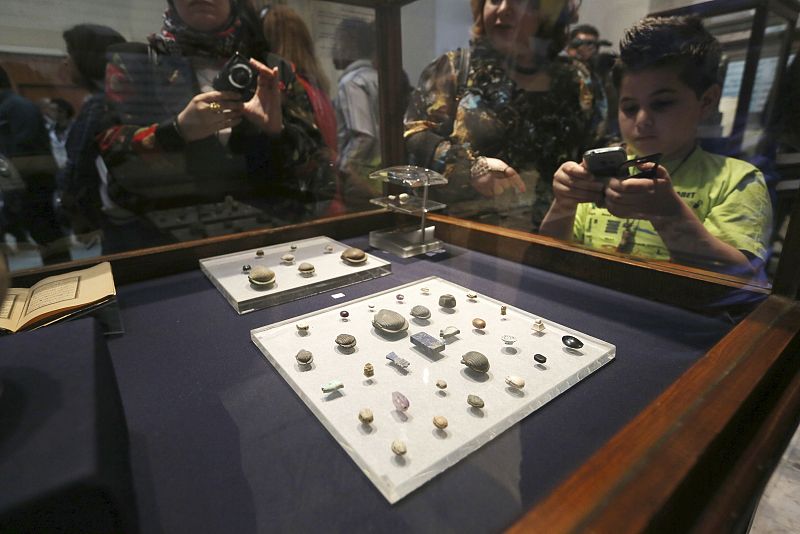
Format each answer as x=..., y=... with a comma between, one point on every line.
x=699, y=208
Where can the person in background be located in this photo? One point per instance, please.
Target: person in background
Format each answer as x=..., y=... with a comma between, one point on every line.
x=79, y=181
x=697, y=208
x=583, y=45
x=178, y=141
x=289, y=37
x=58, y=115
x=498, y=118
x=25, y=142
x=357, y=114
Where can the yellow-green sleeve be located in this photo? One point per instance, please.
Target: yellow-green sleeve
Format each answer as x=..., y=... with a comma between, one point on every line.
x=744, y=218
x=579, y=226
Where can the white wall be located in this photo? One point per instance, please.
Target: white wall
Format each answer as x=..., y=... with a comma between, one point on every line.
x=430, y=28
x=36, y=25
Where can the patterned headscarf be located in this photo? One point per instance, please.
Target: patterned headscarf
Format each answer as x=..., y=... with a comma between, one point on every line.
x=177, y=38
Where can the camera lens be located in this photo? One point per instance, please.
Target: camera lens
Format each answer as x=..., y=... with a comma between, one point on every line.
x=240, y=76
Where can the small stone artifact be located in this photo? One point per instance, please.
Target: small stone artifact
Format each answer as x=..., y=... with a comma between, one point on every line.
x=398, y=361
x=306, y=269
x=538, y=325
x=390, y=322
x=572, y=342
x=472, y=296
x=508, y=339
x=371, y=307
x=539, y=358
x=369, y=370
x=420, y=312
x=400, y=401
x=288, y=258
x=245, y=267
x=400, y=297
x=344, y=314
x=425, y=291
x=515, y=381
x=475, y=401
x=392, y=197
x=332, y=386
x=427, y=342
x=449, y=331
x=476, y=361
x=503, y=310
x=354, y=255
x=259, y=252
x=441, y=384
x=479, y=323
x=399, y=448
x=346, y=341
x=292, y=247
x=447, y=301
x=440, y=422
x=261, y=276
x=304, y=357
x=365, y=416
x=328, y=249
x=402, y=198
x=302, y=327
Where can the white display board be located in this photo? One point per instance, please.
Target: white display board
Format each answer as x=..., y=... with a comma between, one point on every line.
x=227, y=272
x=430, y=450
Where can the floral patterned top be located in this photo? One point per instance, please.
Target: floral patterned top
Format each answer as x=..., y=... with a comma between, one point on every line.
x=467, y=106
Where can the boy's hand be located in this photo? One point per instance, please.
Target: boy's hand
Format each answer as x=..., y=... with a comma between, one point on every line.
x=573, y=184
x=643, y=198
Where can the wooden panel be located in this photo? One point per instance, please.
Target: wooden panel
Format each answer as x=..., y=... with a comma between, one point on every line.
x=390, y=75
x=153, y=262
x=38, y=76
x=655, y=280
x=664, y=468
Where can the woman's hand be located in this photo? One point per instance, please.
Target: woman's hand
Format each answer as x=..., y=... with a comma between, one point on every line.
x=208, y=113
x=573, y=184
x=491, y=177
x=264, y=109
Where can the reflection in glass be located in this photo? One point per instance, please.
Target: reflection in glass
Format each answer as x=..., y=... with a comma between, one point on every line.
x=508, y=99
x=184, y=153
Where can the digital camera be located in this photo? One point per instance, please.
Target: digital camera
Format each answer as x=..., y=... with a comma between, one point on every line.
x=238, y=76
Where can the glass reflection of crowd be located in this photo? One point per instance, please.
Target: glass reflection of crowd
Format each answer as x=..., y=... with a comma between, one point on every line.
x=224, y=109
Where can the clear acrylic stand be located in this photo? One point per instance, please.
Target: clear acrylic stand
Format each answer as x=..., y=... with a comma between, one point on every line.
x=408, y=241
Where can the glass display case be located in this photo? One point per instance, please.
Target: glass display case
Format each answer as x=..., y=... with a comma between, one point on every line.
x=675, y=428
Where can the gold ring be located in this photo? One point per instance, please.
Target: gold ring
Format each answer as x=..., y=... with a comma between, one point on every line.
x=215, y=107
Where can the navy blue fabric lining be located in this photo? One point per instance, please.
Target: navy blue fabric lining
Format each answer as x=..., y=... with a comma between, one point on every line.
x=220, y=443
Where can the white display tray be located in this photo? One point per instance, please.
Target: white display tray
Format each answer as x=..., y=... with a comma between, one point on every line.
x=430, y=450
x=331, y=272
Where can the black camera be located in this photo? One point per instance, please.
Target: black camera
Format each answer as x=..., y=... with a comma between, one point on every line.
x=237, y=75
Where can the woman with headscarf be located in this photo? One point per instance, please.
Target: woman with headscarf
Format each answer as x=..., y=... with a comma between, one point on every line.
x=499, y=117
x=178, y=140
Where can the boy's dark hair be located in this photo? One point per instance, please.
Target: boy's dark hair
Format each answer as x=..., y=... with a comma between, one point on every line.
x=583, y=28
x=681, y=42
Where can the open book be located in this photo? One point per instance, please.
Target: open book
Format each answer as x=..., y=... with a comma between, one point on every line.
x=56, y=298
